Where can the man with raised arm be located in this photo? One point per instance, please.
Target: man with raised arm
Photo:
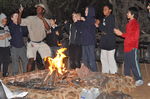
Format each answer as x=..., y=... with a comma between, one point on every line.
x=37, y=26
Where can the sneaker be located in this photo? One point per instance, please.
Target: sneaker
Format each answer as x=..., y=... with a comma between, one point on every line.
x=139, y=82
x=148, y=84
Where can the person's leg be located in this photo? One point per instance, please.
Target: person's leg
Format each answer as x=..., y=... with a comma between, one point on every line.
x=23, y=56
x=127, y=64
x=39, y=62
x=78, y=53
x=5, y=69
x=15, y=58
x=30, y=65
x=91, y=58
x=112, y=62
x=45, y=51
x=31, y=54
x=104, y=61
x=72, y=52
x=53, y=51
x=71, y=56
x=135, y=67
x=84, y=56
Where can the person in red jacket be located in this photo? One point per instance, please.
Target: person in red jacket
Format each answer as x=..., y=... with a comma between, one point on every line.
x=131, y=42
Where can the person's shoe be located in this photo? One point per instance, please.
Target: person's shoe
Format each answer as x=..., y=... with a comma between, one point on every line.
x=139, y=82
x=148, y=84
x=5, y=74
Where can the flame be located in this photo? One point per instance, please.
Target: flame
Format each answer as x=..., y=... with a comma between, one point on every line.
x=59, y=44
x=57, y=62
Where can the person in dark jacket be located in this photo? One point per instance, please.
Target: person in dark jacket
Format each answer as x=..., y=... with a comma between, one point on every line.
x=74, y=42
x=88, y=39
x=53, y=38
x=18, y=49
x=107, y=41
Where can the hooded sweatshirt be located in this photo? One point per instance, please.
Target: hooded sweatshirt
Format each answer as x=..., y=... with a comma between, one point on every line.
x=88, y=36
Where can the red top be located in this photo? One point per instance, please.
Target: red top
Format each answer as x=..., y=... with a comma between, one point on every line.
x=131, y=36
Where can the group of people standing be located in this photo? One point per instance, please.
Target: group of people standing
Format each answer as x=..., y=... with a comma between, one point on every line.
x=82, y=40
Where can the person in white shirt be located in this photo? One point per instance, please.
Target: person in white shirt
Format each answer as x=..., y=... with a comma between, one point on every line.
x=37, y=26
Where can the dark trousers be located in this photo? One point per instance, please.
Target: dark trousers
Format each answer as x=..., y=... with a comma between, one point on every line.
x=4, y=59
x=131, y=64
x=75, y=56
x=5, y=68
x=88, y=57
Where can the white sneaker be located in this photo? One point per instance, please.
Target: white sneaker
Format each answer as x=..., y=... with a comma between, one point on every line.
x=148, y=84
x=139, y=82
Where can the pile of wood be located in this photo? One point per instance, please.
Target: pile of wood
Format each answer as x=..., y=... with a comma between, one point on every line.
x=70, y=85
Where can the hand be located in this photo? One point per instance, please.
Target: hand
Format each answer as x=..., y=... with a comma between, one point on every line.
x=7, y=35
x=65, y=22
x=82, y=18
x=57, y=33
x=21, y=8
x=118, y=32
x=2, y=37
x=148, y=7
x=97, y=25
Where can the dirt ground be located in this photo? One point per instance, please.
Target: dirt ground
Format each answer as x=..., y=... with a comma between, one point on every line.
x=141, y=92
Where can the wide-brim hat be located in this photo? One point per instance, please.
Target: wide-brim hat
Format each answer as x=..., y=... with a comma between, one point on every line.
x=40, y=5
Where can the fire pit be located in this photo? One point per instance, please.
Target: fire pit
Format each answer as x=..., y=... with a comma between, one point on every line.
x=59, y=83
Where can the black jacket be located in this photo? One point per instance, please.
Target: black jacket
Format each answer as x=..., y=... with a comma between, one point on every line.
x=107, y=41
x=52, y=39
x=75, y=33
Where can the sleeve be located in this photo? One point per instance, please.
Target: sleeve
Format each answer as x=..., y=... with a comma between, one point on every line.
x=25, y=21
x=7, y=31
x=132, y=30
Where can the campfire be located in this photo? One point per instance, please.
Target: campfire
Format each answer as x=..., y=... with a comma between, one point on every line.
x=56, y=66
x=67, y=84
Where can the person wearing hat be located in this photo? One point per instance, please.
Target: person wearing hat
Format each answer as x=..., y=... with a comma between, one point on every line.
x=4, y=44
x=37, y=26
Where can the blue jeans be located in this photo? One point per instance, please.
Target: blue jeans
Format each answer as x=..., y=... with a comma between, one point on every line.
x=88, y=57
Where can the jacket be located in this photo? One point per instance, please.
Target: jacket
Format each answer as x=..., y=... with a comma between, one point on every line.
x=108, y=39
x=88, y=36
x=131, y=36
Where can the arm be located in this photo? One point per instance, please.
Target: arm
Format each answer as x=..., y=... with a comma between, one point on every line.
x=4, y=36
x=19, y=15
x=132, y=30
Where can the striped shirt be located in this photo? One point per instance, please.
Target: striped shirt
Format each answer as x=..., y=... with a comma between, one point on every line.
x=5, y=42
